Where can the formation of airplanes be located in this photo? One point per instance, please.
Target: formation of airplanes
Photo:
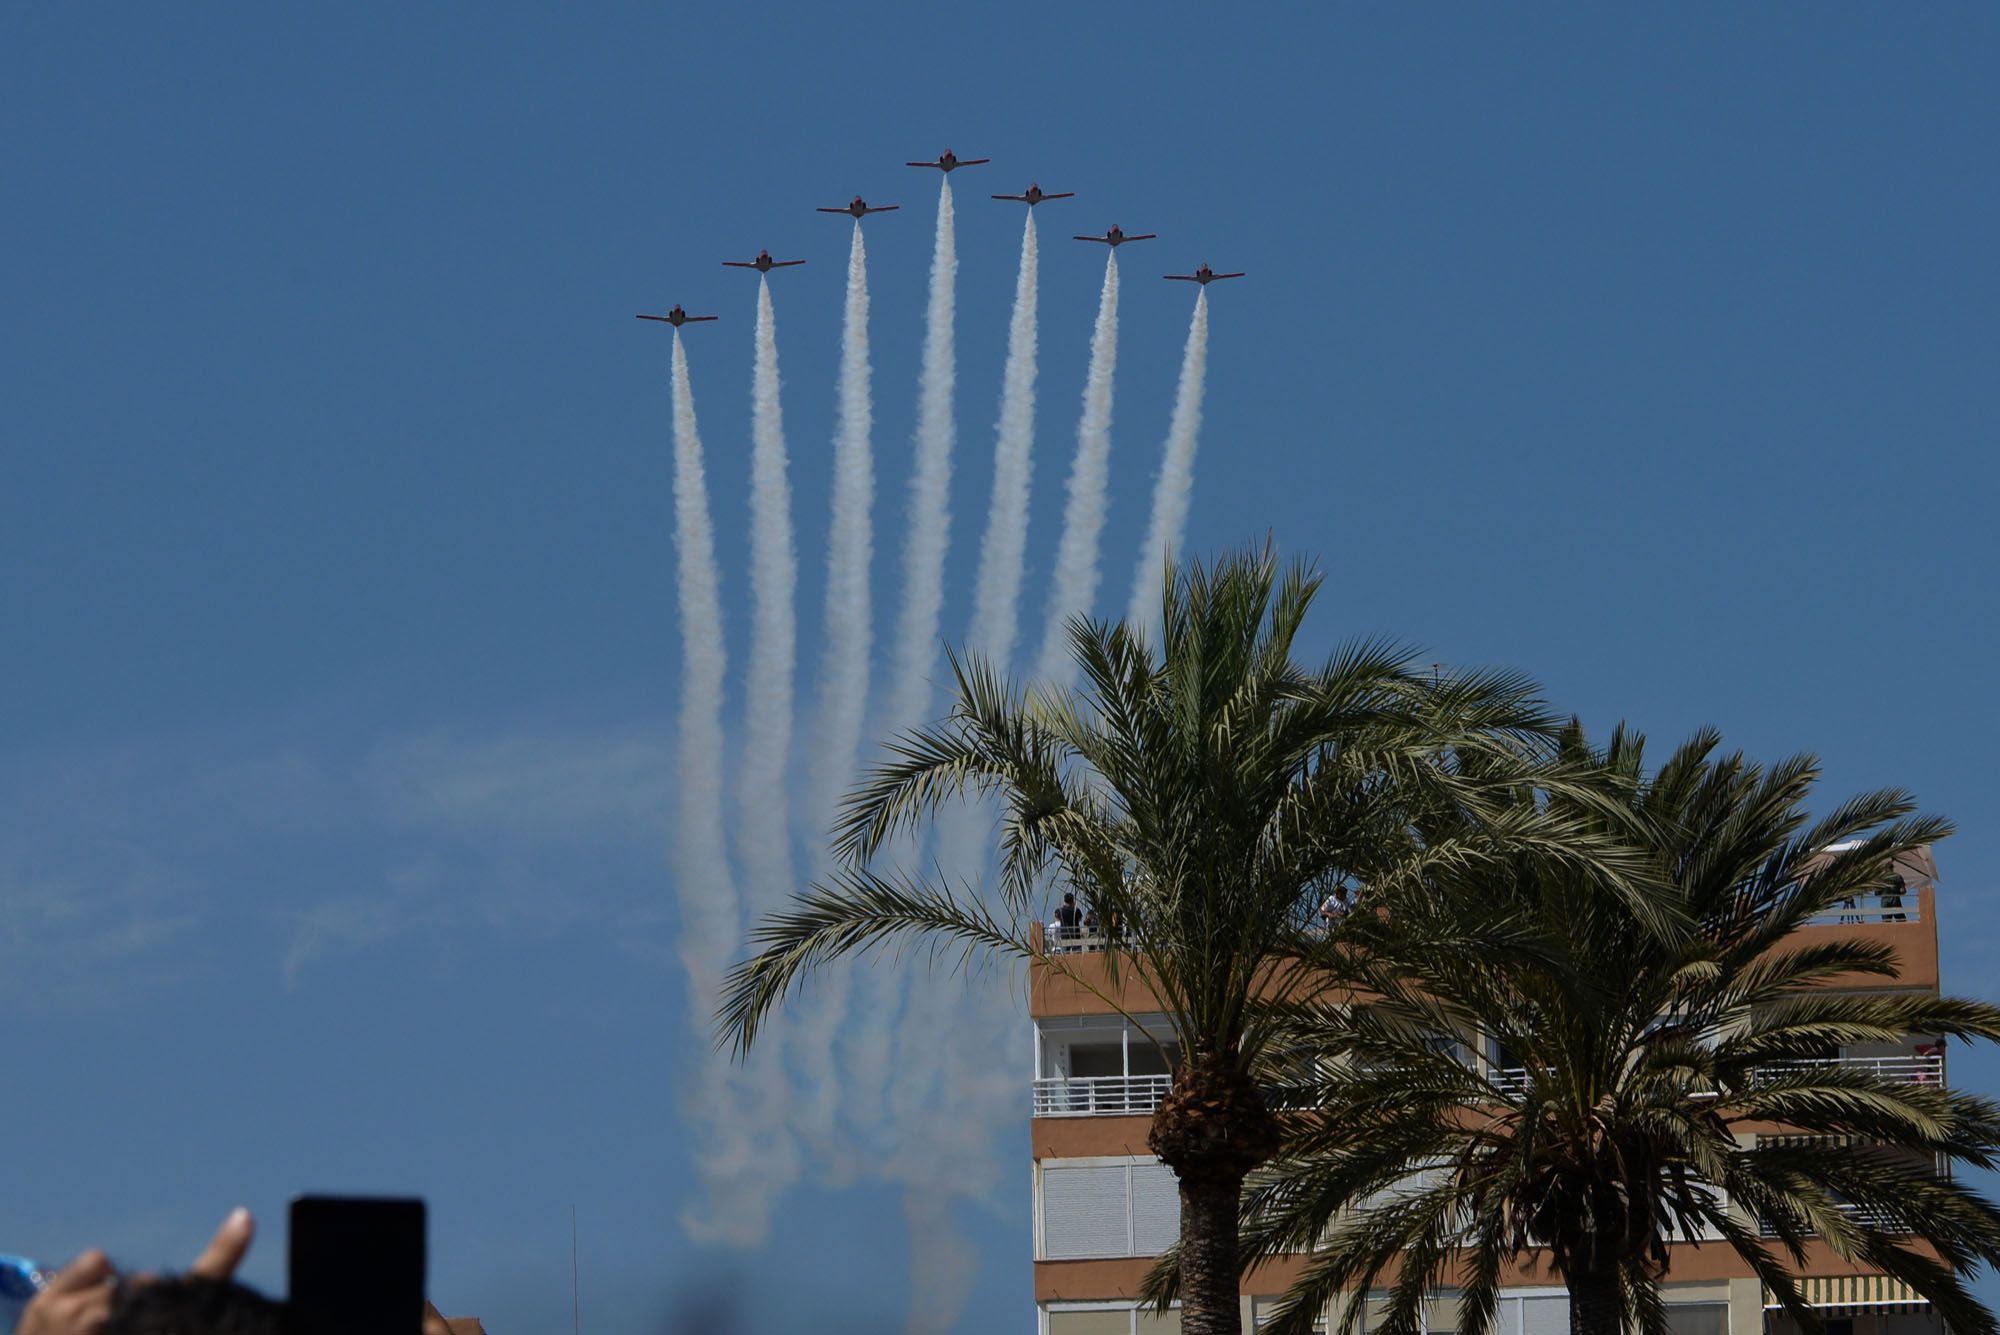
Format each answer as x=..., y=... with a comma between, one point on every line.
x=946, y=162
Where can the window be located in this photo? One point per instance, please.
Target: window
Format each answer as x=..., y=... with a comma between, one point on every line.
x=1701, y=1319
x=1087, y=1060
x=1102, y=1321
x=1099, y=1208
x=1111, y=1320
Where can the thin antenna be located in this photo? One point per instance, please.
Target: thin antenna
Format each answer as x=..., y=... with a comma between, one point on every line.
x=575, y=1305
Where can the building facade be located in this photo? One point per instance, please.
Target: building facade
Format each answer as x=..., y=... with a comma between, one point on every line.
x=1105, y=1208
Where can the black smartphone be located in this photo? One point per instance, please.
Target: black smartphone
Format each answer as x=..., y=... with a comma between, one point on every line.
x=357, y=1264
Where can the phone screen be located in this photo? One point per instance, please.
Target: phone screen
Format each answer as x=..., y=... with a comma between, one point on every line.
x=357, y=1264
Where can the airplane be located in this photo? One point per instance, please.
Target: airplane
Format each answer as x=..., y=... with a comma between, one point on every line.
x=678, y=317
x=1115, y=238
x=861, y=207
x=949, y=162
x=1035, y=195
x=1204, y=275
x=762, y=264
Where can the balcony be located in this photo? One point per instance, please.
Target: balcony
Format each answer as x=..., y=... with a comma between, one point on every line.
x=1875, y=1219
x=1898, y=908
x=1918, y=1068
x=1060, y=940
x=1100, y=1096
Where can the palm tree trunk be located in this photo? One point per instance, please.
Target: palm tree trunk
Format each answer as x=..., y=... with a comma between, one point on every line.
x=1209, y=1304
x=1594, y=1303
x=1211, y=1129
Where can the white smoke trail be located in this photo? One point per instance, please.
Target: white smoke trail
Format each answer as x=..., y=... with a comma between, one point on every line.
x=925, y=541
x=996, y=599
x=943, y=1261
x=742, y=1193
x=764, y=839
x=964, y=829
x=866, y=1042
x=707, y=895
x=1176, y=480
x=956, y=1035
x=709, y=927
x=843, y=685
x=1076, y=572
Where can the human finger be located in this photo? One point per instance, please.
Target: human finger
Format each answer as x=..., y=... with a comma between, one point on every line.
x=90, y=1267
x=79, y=1310
x=225, y=1251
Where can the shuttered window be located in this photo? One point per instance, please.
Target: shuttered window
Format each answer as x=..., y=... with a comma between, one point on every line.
x=1118, y=1209
x=1100, y=1322
x=1545, y=1316
x=1156, y=1209
x=1085, y=1212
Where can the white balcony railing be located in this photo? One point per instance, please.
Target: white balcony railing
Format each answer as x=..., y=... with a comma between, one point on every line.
x=1869, y=909
x=1881, y=1220
x=1100, y=1096
x=1073, y=940
x=1132, y=1095
x=1917, y=1068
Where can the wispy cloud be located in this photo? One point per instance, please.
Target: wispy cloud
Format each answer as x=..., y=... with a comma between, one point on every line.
x=112, y=860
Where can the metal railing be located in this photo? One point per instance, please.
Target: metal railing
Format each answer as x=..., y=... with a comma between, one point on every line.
x=1917, y=1068
x=1881, y=1220
x=1100, y=1095
x=1062, y=940
x=1870, y=909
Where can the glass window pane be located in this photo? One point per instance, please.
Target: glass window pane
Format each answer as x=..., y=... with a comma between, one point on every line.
x=1090, y=1323
x=1698, y=1318
x=1095, y=1059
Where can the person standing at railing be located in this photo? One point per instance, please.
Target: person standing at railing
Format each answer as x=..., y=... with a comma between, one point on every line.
x=1069, y=919
x=1930, y=1063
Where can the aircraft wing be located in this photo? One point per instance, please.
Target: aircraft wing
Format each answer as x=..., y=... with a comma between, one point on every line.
x=834, y=210
x=691, y=319
x=784, y=264
x=1067, y=194
x=921, y=164
x=1144, y=236
x=1182, y=277
x=661, y=318
x=1100, y=240
x=883, y=208
x=972, y=162
x=1227, y=275
x=738, y=264
x=1020, y=199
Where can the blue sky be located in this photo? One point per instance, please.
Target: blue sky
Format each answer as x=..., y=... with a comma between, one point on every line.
x=1650, y=352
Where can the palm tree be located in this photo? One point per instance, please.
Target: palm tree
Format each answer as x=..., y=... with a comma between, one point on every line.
x=1637, y=1059
x=1201, y=802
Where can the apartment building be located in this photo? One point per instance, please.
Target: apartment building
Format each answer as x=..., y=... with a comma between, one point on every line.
x=1104, y=1207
